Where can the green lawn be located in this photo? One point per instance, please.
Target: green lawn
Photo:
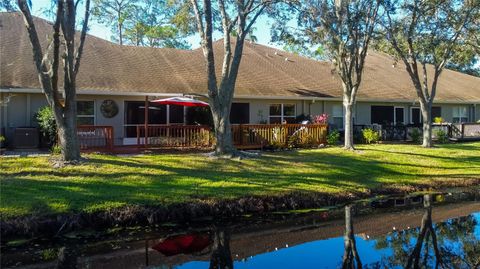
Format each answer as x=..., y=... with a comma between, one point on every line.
x=31, y=185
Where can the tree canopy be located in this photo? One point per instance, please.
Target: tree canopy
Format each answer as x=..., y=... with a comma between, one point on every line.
x=140, y=23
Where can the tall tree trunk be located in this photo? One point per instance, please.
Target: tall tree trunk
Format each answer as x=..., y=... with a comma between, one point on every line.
x=47, y=70
x=348, y=124
x=120, y=34
x=426, y=109
x=223, y=131
x=67, y=131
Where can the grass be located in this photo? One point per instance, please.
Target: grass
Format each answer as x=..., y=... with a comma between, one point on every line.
x=31, y=186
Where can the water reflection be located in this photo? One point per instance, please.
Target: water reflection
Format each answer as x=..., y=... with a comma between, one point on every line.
x=350, y=256
x=221, y=257
x=431, y=236
x=449, y=244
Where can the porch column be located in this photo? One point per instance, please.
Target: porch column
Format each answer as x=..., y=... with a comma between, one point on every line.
x=168, y=114
x=146, y=121
x=475, y=113
x=184, y=115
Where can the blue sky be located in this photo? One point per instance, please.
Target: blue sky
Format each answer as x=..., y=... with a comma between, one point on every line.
x=262, y=31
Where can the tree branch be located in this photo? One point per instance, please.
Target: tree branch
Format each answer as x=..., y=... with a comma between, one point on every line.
x=82, y=37
x=200, y=27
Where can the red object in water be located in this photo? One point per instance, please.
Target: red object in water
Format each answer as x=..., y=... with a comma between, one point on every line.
x=180, y=101
x=183, y=244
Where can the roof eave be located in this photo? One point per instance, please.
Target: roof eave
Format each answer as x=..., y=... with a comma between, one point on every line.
x=256, y=97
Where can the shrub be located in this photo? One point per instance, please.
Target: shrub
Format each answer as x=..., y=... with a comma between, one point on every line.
x=56, y=149
x=2, y=138
x=46, y=122
x=333, y=137
x=415, y=135
x=442, y=136
x=370, y=136
x=438, y=120
x=301, y=139
x=204, y=138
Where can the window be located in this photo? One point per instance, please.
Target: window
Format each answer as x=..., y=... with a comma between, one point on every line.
x=399, y=115
x=135, y=115
x=240, y=113
x=282, y=112
x=337, y=116
x=176, y=114
x=85, y=113
x=383, y=114
x=415, y=116
x=436, y=112
x=460, y=114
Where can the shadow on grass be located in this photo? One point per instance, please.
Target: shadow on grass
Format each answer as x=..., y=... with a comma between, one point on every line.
x=159, y=180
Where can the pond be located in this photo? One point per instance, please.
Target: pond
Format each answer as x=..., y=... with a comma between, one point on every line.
x=423, y=231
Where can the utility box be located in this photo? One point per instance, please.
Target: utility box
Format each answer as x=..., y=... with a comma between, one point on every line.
x=26, y=138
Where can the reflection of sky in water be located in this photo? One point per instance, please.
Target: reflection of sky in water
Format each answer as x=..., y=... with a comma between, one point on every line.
x=321, y=254
x=317, y=254
x=477, y=227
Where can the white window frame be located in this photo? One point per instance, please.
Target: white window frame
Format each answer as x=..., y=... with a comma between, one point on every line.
x=419, y=114
x=89, y=116
x=342, y=127
x=395, y=114
x=282, y=112
x=460, y=117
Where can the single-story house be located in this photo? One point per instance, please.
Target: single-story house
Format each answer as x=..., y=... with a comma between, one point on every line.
x=273, y=86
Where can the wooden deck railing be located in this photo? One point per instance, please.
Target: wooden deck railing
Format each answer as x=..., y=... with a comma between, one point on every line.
x=464, y=130
x=245, y=136
x=278, y=135
x=95, y=137
x=184, y=136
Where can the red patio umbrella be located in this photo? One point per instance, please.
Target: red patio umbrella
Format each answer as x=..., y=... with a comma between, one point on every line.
x=180, y=101
x=183, y=244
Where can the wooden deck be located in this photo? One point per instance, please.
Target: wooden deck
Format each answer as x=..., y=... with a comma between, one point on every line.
x=195, y=138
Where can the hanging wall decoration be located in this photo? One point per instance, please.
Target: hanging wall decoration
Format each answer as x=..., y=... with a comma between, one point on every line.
x=109, y=108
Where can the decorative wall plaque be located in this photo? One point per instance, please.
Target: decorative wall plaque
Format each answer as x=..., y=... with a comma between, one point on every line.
x=109, y=108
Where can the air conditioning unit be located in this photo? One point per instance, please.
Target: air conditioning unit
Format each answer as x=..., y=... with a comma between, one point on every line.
x=26, y=138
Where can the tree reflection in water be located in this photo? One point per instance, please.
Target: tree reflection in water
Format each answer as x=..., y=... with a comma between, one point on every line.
x=449, y=244
x=351, y=259
x=221, y=257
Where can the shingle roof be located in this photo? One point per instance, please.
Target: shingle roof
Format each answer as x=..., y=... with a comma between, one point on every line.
x=264, y=71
